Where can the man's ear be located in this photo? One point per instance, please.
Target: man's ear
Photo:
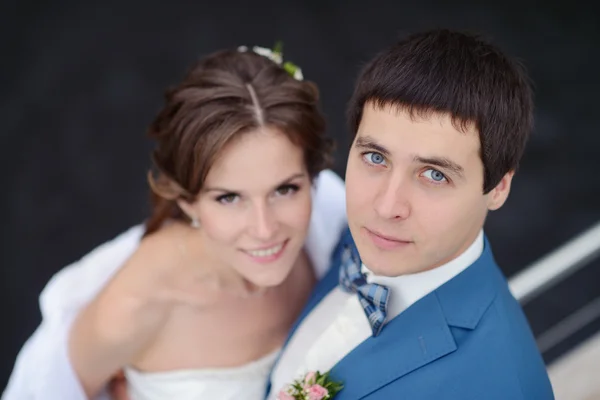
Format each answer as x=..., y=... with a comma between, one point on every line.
x=498, y=195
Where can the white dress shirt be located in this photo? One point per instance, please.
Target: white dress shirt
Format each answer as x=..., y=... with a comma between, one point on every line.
x=43, y=371
x=338, y=323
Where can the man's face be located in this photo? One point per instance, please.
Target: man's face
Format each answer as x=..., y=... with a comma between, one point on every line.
x=414, y=190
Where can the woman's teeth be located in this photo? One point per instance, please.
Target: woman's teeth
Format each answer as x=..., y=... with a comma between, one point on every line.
x=265, y=252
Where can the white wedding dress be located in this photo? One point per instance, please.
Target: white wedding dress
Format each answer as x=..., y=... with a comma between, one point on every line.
x=43, y=372
x=247, y=382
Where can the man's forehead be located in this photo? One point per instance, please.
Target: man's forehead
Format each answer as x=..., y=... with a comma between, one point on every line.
x=419, y=114
x=438, y=135
x=418, y=145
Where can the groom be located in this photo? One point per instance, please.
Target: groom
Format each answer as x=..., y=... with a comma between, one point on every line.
x=415, y=306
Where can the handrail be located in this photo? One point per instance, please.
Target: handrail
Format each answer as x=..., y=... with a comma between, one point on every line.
x=556, y=266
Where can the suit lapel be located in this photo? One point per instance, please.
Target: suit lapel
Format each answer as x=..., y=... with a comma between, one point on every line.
x=415, y=338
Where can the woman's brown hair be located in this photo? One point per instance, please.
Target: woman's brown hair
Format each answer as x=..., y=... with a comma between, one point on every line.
x=223, y=96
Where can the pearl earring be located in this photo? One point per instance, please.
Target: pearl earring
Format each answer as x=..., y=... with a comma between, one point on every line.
x=195, y=223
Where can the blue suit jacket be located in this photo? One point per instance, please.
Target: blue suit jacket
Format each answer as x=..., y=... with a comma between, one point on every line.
x=468, y=339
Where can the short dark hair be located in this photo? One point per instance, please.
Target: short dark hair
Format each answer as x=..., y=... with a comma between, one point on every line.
x=223, y=96
x=457, y=73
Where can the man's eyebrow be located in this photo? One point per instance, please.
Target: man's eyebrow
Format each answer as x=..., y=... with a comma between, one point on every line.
x=441, y=162
x=368, y=143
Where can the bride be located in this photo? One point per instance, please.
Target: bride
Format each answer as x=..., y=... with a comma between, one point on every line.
x=196, y=302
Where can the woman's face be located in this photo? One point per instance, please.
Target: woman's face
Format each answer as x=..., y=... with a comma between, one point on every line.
x=255, y=206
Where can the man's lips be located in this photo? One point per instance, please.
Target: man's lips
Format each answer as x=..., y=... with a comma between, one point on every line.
x=387, y=237
x=386, y=242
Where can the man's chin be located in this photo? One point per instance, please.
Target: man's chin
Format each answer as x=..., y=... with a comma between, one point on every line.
x=386, y=271
x=382, y=263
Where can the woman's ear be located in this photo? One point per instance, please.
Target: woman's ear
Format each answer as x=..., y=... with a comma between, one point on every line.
x=188, y=209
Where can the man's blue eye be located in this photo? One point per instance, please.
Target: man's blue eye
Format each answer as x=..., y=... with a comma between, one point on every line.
x=435, y=175
x=374, y=158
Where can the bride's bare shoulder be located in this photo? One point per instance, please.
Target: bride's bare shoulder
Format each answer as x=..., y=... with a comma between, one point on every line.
x=163, y=245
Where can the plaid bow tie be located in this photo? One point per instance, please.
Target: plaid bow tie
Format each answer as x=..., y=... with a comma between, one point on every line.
x=372, y=297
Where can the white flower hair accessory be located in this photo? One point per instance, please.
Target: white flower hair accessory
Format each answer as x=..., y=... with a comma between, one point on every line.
x=276, y=55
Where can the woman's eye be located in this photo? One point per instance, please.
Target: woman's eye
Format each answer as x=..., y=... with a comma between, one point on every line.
x=435, y=175
x=375, y=158
x=287, y=190
x=228, y=198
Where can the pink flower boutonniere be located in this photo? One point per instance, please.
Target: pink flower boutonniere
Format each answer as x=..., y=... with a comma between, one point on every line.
x=314, y=386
